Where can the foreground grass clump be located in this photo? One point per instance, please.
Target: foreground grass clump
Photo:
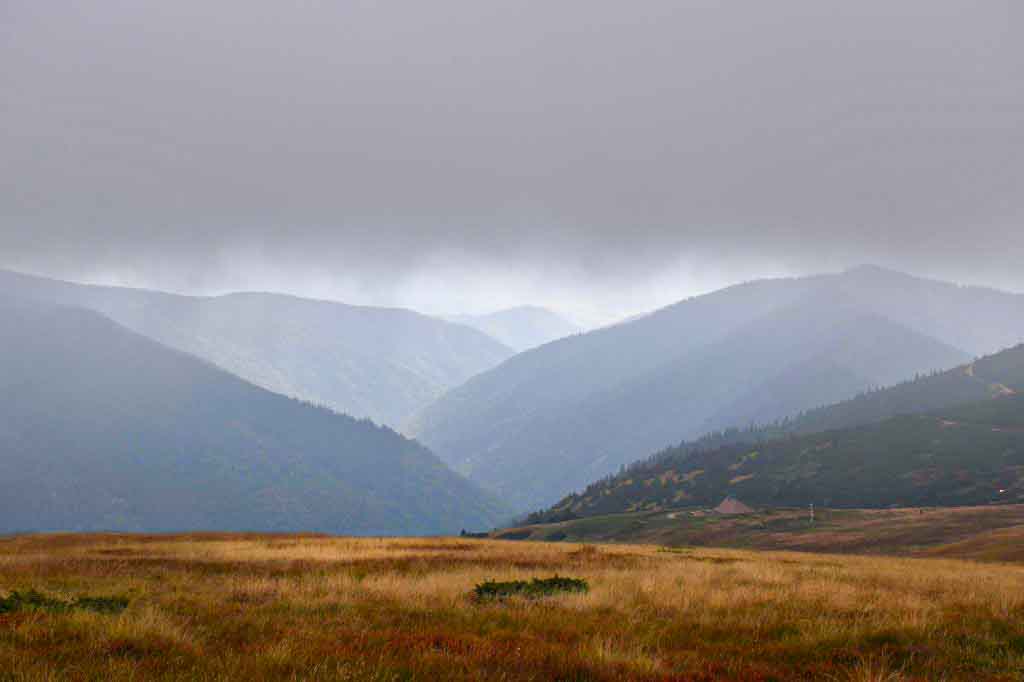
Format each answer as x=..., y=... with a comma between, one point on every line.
x=35, y=601
x=250, y=607
x=533, y=589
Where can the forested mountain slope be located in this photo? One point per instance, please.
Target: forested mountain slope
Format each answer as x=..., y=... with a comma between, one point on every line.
x=553, y=419
x=915, y=443
x=381, y=363
x=104, y=429
x=973, y=454
x=990, y=376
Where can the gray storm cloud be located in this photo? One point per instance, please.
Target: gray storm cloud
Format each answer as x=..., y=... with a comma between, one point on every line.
x=462, y=152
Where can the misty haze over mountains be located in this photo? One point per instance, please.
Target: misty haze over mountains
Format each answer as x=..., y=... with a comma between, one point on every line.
x=553, y=419
x=380, y=363
x=103, y=428
x=521, y=328
x=463, y=157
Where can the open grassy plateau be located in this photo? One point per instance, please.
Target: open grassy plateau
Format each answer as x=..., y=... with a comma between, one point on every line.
x=219, y=607
x=988, y=533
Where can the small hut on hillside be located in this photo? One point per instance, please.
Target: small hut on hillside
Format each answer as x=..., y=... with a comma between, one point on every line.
x=730, y=506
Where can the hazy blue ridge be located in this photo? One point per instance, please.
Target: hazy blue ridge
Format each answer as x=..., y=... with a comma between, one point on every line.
x=104, y=429
x=381, y=363
x=552, y=419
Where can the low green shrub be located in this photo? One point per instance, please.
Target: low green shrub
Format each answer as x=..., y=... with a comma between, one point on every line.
x=35, y=601
x=533, y=589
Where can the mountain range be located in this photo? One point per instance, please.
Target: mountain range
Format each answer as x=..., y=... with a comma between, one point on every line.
x=102, y=428
x=134, y=409
x=380, y=363
x=555, y=418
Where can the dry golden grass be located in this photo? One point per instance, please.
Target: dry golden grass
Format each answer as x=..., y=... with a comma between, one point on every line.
x=990, y=532
x=208, y=607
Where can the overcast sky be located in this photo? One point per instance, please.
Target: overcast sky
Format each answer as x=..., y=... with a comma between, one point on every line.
x=596, y=156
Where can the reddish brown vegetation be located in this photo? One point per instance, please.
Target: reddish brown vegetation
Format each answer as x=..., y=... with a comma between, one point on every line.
x=211, y=607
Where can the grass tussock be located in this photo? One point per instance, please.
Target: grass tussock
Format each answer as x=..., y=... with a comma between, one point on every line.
x=533, y=589
x=313, y=608
x=35, y=601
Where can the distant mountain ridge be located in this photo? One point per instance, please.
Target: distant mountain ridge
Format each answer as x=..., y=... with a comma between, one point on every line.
x=552, y=419
x=953, y=438
x=104, y=429
x=978, y=320
x=521, y=328
x=380, y=363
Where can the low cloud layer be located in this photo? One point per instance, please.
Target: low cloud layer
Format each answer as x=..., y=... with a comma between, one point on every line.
x=587, y=154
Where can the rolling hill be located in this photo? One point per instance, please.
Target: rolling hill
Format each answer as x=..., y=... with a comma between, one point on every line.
x=521, y=328
x=552, y=419
x=380, y=363
x=104, y=429
x=959, y=454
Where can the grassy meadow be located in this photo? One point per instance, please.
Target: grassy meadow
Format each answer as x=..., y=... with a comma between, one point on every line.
x=249, y=607
x=990, y=533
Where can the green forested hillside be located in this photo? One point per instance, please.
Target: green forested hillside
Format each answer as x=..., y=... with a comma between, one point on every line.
x=987, y=377
x=558, y=417
x=962, y=455
x=551, y=420
x=913, y=460
x=104, y=429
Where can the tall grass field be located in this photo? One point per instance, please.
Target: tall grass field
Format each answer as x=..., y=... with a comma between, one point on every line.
x=253, y=607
